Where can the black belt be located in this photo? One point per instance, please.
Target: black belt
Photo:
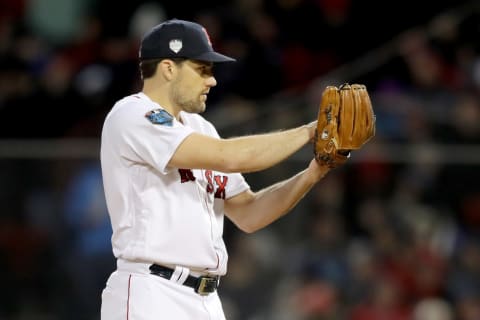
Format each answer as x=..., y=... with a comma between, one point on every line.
x=202, y=285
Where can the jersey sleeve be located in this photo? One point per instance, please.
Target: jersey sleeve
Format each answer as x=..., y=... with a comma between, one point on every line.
x=237, y=184
x=144, y=140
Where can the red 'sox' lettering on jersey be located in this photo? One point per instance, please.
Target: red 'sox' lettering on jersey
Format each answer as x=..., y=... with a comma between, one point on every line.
x=210, y=186
x=186, y=175
x=221, y=185
x=216, y=180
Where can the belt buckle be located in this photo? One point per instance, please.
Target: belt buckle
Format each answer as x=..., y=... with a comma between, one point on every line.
x=206, y=285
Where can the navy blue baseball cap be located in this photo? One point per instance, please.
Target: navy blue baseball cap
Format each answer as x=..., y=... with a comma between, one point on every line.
x=179, y=39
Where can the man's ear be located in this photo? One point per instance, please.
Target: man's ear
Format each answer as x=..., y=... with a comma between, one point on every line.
x=167, y=69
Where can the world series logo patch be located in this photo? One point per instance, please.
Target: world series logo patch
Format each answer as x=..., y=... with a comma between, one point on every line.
x=160, y=116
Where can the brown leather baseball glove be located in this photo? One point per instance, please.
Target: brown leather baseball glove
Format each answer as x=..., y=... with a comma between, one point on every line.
x=345, y=122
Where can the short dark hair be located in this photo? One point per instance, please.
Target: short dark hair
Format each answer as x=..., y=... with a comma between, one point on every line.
x=148, y=67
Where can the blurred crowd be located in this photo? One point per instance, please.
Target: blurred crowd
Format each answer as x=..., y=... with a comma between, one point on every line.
x=394, y=234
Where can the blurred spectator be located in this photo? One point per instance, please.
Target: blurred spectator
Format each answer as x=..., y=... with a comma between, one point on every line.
x=89, y=261
x=63, y=27
x=463, y=281
x=433, y=309
x=468, y=308
x=385, y=301
x=246, y=290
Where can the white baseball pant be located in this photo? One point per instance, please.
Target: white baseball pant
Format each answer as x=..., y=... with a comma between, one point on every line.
x=132, y=293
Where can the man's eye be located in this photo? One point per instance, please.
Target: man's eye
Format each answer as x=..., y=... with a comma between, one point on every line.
x=206, y=71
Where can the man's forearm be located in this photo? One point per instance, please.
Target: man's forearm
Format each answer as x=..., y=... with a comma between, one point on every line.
x=273, y=202
x=255, y=153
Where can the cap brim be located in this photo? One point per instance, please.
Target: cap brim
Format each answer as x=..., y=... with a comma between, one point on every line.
x=215, y=57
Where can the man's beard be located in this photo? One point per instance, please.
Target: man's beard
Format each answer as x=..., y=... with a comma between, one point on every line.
x=187, y=105
x=191, y=106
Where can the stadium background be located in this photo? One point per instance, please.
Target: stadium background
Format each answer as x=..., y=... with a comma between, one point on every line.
x=394, y=234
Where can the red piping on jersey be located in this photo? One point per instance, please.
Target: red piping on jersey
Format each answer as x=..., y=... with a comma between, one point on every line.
x=128, y=297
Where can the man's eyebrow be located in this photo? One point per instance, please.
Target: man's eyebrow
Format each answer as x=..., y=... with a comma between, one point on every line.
x=203, y=63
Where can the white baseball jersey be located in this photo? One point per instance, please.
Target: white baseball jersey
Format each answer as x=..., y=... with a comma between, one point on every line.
x=161, y=214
